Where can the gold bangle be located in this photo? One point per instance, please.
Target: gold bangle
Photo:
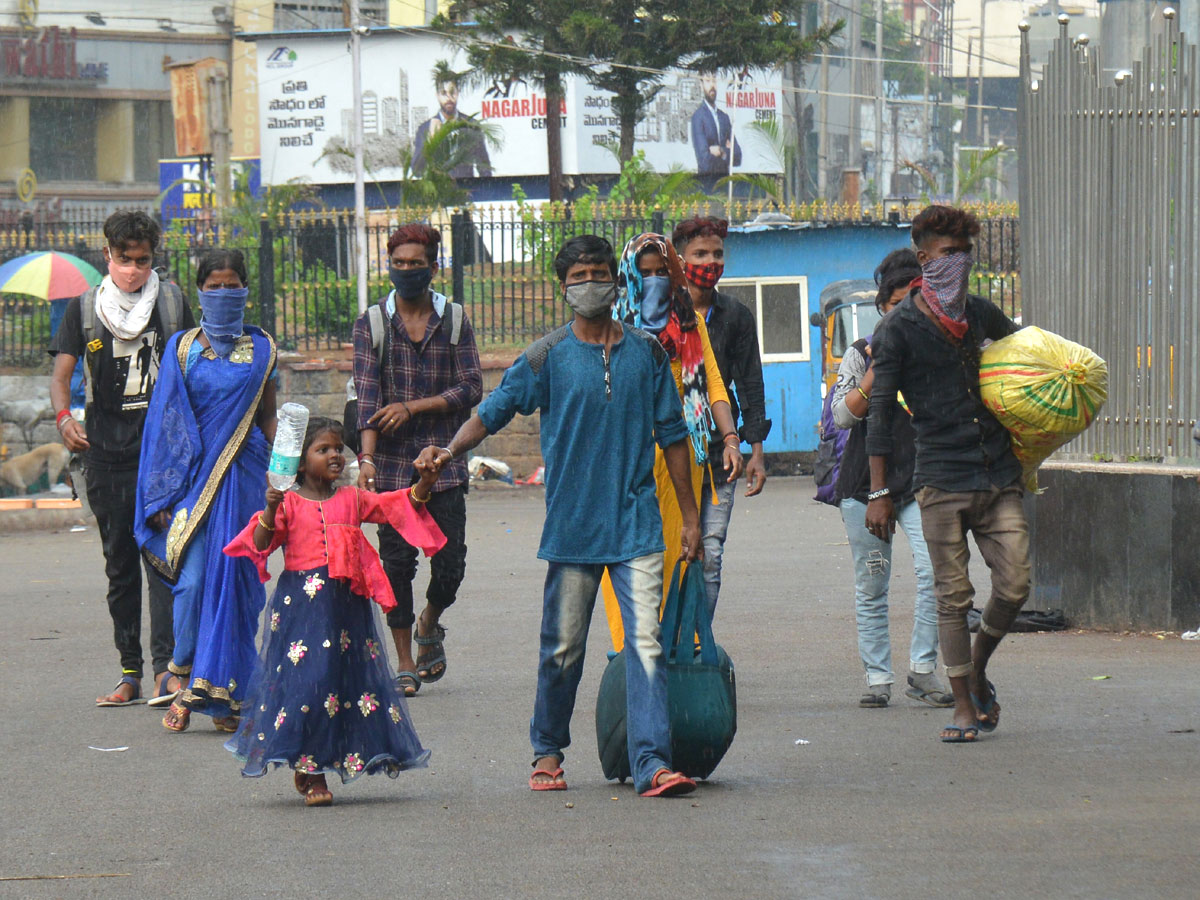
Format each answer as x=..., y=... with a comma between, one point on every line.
x=865, y=395
x=412, y=492
x=263, y=523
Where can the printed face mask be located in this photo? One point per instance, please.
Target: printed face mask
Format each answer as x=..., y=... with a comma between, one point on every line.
x=944, y=287
x=591, y=299
x=223, y=310
x=411, y=283
x=705, y=276
x=129, y=278
x=656, y=302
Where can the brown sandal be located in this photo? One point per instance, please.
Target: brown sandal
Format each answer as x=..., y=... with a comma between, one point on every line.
x=178, y=718
x=227, y=724
x=316, y=792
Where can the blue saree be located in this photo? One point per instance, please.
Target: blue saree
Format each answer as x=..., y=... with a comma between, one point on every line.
x=204, y=461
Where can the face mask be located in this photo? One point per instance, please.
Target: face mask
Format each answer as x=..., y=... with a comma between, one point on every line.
x=591, y=299
x=944, y=287
x=129, y=278
x=705, y=276
x=656, y=302
x=223, y=310
x=411, y=283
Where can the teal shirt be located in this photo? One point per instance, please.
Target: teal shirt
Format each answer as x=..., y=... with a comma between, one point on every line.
x=599, y=425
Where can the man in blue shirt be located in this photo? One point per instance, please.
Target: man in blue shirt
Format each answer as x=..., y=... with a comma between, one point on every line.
x=606, y=395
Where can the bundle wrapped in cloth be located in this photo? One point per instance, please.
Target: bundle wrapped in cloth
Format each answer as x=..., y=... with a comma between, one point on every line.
x=1044, y=389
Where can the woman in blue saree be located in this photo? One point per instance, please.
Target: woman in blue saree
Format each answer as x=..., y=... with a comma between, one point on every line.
x=204, y=458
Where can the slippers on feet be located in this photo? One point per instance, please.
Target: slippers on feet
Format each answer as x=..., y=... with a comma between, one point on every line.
x=875, y=698
x=163, y=696
x=549, y=780
x=408, y=683
x=669, y=784
x=952, y=734
x=990, y=711
x=115, y=699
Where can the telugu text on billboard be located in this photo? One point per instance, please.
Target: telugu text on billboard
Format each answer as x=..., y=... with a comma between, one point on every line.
x=697, y=122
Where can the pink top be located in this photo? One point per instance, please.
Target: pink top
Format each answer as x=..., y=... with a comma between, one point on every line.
x=316, y=533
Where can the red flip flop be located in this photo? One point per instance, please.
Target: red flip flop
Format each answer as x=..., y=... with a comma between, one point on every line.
x=673, y=784
x=552, y=785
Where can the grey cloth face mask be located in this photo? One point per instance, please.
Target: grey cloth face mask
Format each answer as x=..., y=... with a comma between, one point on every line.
x=592, y=299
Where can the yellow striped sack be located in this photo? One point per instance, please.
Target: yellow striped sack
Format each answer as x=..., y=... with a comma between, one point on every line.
x=1044, y=389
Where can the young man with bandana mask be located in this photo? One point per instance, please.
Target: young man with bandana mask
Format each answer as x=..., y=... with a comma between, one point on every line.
x=966, y=476
x=126, y=319
x=700, y=243
x=430, y=381
x=606, y=396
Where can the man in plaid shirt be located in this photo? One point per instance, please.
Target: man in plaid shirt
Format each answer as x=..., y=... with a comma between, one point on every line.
x=424, y=393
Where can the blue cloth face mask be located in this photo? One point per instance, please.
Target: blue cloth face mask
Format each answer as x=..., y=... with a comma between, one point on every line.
x=223, y=311
x=656, y=302
x=411, y=283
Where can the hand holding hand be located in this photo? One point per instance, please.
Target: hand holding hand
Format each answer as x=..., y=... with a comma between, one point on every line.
x=432, y=459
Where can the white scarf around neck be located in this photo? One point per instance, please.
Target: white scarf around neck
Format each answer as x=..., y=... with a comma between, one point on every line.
x=126, y=315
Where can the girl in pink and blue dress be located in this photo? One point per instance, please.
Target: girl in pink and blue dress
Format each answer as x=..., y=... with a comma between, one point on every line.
x=322, y=699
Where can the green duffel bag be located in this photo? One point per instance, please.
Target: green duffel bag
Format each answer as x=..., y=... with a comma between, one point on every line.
x=701, y=691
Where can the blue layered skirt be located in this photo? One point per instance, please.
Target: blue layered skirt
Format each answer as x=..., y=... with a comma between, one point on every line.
x=322, y=697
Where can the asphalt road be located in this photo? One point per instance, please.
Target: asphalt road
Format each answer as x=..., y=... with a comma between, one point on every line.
x=1089, y=788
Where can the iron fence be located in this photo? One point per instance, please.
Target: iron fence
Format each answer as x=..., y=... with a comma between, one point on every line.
x=496, y=260
x=1110, y=188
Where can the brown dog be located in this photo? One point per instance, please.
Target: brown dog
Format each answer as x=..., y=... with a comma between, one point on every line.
x=22, y=471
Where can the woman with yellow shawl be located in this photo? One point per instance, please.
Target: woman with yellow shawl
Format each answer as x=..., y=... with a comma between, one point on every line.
x=653, y=296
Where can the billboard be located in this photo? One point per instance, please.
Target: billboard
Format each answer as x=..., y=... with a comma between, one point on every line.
x=698, y=123
x=188, y=191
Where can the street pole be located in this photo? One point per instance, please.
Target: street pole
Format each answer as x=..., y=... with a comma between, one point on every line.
x=360, y=201
x=879, y=99
x=982, y=53
x=823, y=113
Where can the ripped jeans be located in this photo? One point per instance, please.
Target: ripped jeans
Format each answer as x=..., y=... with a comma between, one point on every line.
x=872, y=573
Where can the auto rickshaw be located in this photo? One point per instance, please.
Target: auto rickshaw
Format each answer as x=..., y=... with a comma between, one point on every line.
x=847, y=313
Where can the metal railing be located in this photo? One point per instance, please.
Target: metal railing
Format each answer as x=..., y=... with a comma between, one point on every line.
x=1110, y=188
x=496, y=260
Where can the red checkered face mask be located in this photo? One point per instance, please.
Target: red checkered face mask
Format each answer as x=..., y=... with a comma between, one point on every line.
x=705, y=276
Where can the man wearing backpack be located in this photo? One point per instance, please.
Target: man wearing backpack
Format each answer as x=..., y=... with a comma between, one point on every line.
x=417, y=377
x=119, y=329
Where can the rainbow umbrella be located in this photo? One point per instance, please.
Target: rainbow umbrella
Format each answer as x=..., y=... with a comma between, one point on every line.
x=49, y=275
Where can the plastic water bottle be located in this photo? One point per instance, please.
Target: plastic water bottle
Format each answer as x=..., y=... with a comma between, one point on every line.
x=289, y=440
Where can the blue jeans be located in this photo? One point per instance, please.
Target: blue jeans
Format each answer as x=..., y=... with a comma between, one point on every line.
x=714, y=525
x=570, y=597
x=872, y=572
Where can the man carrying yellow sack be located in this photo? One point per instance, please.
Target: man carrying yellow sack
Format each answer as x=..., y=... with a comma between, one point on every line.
x=966, y=476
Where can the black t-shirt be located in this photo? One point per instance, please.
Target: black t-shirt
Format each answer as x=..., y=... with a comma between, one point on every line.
x=123, y=374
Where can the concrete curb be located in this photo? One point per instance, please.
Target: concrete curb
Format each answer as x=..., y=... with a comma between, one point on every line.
x=20, y=520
